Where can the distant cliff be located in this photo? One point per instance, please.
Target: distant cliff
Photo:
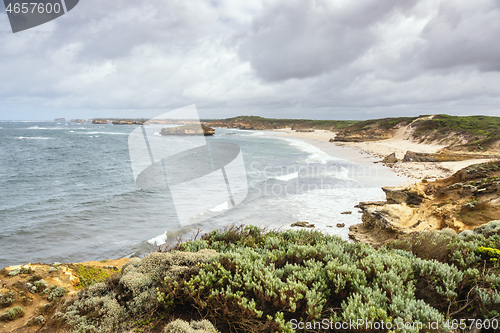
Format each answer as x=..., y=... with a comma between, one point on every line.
x=190, y=129
x=260, y=123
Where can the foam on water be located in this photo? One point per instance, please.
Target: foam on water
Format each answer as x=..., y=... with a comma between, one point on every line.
x=316, y=155
x=32, y=138
x=342, y=174
x=220, y=208
x=107, y=133
x=288, y=177
x=159, y=240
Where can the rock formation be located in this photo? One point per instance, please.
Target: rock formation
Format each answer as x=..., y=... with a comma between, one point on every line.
x=363, y=135
x=443, y=156
x=190, y=129
x=302, y=224
x=99, y=121
x=390, y=158
x=464, y=201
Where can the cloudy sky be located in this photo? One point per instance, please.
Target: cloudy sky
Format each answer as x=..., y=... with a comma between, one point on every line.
x=321, y=59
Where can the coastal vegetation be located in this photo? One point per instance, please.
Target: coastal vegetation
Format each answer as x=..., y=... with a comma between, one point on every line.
x=459, y=132
x=245, y=279
x=465, y=133
x=476, y=130
x=260, y=123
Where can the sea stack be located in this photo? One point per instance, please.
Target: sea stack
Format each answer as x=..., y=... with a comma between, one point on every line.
x=190, y=129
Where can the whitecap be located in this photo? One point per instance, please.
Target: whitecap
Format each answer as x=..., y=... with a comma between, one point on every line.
x=108, y=133
x=288, y=177
x=31, y=138
x=158, y=240
x=220, y=208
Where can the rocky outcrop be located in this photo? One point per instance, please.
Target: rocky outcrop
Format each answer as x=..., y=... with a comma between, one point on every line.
x=464, y=201
x=128, y=122
x=363, y=135
x=190, y=129
x=302, y=224
x=99, y=121
x=304, y=130
x=449, y=156
x=390, y=158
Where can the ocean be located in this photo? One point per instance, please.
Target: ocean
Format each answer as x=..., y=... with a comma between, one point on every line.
x=68, y=193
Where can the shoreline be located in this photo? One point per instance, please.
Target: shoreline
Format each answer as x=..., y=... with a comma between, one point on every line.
x=369, y=152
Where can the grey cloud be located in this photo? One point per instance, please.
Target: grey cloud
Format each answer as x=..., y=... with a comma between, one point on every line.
x=299, y=39
x=304, y=59
x=113, y=29
x=464, y=33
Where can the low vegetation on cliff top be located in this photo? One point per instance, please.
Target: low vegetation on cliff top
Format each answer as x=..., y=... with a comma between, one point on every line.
x=476, y=130
x=466, y=132
x=257, y=122
x=243, y=279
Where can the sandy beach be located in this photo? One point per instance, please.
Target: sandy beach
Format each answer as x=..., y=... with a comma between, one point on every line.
x=375, y=151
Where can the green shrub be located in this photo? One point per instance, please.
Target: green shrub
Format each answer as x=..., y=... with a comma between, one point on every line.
x=12, y=313
x=56, y=293
x=258, y=281
x=21, y=270
x=7, y=299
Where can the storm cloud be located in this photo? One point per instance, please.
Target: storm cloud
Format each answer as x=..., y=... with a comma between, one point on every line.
x=317, y=59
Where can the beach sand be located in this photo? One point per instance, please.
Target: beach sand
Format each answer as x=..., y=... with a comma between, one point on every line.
x=374, y=151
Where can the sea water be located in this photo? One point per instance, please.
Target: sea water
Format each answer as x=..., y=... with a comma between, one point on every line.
x=67, y=192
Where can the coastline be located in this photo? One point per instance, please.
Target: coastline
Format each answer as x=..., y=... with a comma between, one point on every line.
x=370, y=152
x=42, y=311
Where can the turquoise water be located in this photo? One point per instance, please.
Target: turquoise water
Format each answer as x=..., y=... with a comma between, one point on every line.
x=67, y=192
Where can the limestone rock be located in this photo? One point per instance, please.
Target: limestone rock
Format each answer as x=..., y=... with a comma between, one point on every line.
x=468, y=200
x=340, y=225
x=489, y=228
x=190, y=129
x=302, y=224
x=390, y=158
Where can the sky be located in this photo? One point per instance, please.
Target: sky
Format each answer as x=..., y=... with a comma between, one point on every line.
x=317, y=59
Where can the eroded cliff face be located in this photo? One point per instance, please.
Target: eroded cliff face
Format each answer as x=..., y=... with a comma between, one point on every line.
x=464, y=201
x=447, y=156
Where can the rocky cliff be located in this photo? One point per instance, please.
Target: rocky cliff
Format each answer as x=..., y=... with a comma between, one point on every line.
x=446, y=156
x=190, y=129
x=464, y=201
x=464, y=134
